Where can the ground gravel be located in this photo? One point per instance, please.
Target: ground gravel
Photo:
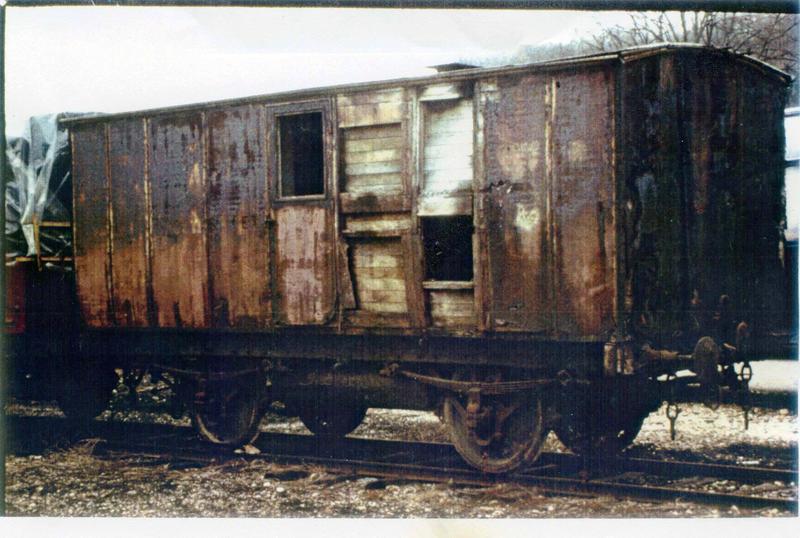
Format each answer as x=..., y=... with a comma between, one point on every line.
x=74, y=481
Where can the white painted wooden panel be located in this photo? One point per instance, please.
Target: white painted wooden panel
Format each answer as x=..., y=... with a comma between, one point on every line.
x=447, y=146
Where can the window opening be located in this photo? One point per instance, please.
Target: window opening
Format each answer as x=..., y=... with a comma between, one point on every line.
x=448, y=247
x=302, y=159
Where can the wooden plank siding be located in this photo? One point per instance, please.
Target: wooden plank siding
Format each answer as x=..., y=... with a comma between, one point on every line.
x=452, y=308
x=583, y=194
x=239, y=257
x=597, y=190
x=129, y=210
x=91, y=227
x=179, y=257
x=373, y=159
x=447, y=147
x=379, y=270
x=516, y=205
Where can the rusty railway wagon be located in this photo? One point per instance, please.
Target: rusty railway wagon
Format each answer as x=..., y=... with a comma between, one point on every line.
x=522, y=249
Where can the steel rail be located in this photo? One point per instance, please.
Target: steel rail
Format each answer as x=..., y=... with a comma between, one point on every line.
x=543, y=477
x=554, y=473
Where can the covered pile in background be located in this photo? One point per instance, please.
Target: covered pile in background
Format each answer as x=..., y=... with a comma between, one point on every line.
x=39, y=190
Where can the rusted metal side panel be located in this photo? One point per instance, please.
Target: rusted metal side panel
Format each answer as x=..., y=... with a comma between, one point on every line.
x=515, y=202
x=304, y=257
x=733, y=188
x=91, y=226
x=760, y=230
x=128, y=206
x=238, y=243
x=655, y=255
x=179, y=262
x=583, y=196
x=703, y=177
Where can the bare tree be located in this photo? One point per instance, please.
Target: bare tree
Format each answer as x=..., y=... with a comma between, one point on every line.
x=771, y=38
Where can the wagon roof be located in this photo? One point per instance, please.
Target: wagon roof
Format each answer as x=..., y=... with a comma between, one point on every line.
x=624, y=55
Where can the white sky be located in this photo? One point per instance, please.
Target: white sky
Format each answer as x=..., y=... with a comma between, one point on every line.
x=116, y=59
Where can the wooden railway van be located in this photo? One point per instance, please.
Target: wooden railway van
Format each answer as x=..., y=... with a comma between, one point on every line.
x=521, y=248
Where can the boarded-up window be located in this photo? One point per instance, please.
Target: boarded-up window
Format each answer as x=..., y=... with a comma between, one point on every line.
x=302, y=163
x=447, y=149
x=379, y=269
x=373, y=159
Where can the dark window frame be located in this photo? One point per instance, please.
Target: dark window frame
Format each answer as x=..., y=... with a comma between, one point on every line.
x=274, y=113
x=448, y=269
x=280, y=154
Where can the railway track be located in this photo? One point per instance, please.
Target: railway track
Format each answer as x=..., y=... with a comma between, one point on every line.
x=554, y=473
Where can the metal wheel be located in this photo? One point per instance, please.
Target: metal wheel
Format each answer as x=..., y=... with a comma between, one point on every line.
x=604, y=421
x=228, y=413
x=86, y=388
x=332, y=417
x=496, y=434
x=605, y=439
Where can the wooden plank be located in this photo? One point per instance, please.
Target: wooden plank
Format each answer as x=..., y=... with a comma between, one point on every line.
x=369, y=203
x=454, y=187
x=379, y=272
x=375, y=156
x=440, y=169
x=378, y=268
x=382, y=296
x=447, y=151
x=583, y=188
x=432, y=206
x=480, y=239
x=397, y=308
x=373, y=132
x=447, y=154
x=358, y=145
x=381, y=284
x=374, y=168
x=374, y=179
x=92, y=263
x=452, y=308
x=391, y=95
x=179, y=256
x=517, y=231
x=377, y=260
x=384, y=222
x=128, y=201
x=238, y=243
x=371, y=319
x=371, y=114
x=451, y=139
x=358, y=187
x=447, y=91
x=304, y=263
x=447, y=285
